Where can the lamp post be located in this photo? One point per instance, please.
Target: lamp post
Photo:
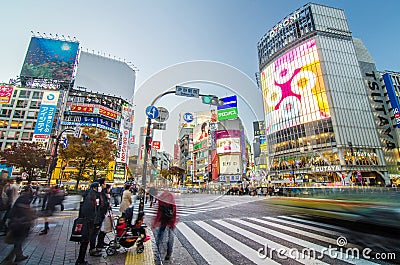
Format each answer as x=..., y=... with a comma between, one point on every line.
x=54, y=155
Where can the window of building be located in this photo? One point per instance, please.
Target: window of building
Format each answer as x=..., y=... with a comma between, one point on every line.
x=19, y=114
x=29, y=125
x=26, y=136
x=37, y=95
x=24, y=94
x=32, y=115
x=5, y=112
x=35, y=105
x=21, y=103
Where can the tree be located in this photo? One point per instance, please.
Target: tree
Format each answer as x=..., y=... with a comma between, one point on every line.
x=91, y=153
x=28, y=156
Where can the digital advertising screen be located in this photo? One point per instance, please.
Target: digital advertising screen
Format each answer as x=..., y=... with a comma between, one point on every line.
x=293, y=89
x=52, y=59
x=228, y=145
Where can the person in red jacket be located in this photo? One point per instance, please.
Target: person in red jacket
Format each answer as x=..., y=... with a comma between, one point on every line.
x=165, y=222
x=121, y=227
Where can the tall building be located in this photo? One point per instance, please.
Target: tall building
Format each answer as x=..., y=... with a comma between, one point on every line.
x=319, y=125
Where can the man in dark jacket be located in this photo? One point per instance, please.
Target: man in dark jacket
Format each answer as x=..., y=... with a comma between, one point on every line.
x=103, y=209
x=90, y=210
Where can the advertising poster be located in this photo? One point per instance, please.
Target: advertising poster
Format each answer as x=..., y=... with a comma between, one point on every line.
x=52, y=59
x=228, y=145
x=229, y=110
x=230, y=165
x=293, y=89
x=6, y=93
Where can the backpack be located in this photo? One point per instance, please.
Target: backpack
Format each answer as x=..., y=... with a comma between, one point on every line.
x=167, y=211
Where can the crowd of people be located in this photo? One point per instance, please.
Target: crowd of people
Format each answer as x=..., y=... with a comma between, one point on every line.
x=21, y=204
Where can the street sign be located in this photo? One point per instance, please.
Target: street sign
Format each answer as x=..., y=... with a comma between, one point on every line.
x=65, y=143
x=163, y=114
x=188, y=117
x=78, y=130
x=187, y=92
x=152, y=112
x=159, y=126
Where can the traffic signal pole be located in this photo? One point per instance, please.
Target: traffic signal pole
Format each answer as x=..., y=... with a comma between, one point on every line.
x=213, y=100
x=147, y=149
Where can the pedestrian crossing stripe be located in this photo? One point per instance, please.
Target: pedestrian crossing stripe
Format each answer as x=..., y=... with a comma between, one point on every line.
x=229, y=231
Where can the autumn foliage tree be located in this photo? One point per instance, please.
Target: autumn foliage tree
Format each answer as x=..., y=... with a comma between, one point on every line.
x=28, y=156
x=92, y=152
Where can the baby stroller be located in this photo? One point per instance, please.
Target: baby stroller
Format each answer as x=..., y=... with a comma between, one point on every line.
x=131, y=234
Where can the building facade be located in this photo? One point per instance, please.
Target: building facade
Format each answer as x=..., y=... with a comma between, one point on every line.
x=319, y=125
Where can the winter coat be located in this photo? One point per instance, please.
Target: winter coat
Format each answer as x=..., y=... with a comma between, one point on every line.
x=126, y=200
x=21, y=219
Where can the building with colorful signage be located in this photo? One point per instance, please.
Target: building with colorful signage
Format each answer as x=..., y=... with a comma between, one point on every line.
x=319, y=125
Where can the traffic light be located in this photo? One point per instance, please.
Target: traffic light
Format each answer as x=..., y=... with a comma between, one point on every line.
x=86, y=139
x=212, y=100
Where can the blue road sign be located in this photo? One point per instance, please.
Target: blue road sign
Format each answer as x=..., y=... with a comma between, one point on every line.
x=188, y=117
x=152, y=112
x=65, y=143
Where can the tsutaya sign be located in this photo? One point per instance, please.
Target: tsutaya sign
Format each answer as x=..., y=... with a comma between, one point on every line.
x=284, y=23
x=326, y=168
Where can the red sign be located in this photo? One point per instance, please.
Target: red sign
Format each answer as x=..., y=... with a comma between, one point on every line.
x=82, y=108
x=108, y=112
x=156, y=145
x=6, y=93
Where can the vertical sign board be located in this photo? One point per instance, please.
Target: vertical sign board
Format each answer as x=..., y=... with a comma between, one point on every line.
x=393, y=98
x=45, y=118
x=123, y=151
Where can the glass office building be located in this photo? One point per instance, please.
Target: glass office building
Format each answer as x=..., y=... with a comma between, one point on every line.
x=319, y=125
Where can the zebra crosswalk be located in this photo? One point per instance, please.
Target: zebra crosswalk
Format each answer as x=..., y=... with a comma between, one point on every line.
x=274, y=240
x=197, y=205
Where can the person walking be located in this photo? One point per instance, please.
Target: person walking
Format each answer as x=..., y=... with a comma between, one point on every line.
x=55, y=197
x=152, y=195
x=21, y=218
x=126, y=199
x=164, y=223
x=89, y=210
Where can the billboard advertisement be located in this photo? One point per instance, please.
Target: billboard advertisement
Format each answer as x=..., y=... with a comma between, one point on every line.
x=228, y=145
x=220, y=134
x=52, y=59
x=45, y=119
x=82, y=108
x=293, y=89
x=123, y=151
x=6, y=93
x=230, y=164
x=228, y=111
x=259, y=128
x=392, y=97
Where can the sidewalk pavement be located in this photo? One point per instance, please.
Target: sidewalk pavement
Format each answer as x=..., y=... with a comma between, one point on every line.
x=56, y=249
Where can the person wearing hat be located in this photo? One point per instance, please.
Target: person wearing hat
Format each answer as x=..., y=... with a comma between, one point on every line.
x=90, y=210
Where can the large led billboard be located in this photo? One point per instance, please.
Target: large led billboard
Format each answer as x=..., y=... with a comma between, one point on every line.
x=52, y=59
x=293, y=89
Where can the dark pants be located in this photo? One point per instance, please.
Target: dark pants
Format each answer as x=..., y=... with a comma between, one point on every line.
x=84, y=245
x=15, y=252
x=165, y=235
x=93, y=237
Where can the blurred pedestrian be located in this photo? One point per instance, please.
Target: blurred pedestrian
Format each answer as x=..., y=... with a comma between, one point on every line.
x=164, y=223
x=21, y=219
x=126, y=199
x=89, y=210
x=15, y=189
x=55, y=197
x=152, y=195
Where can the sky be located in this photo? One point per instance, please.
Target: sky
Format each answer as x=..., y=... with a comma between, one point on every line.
x=157, y=34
